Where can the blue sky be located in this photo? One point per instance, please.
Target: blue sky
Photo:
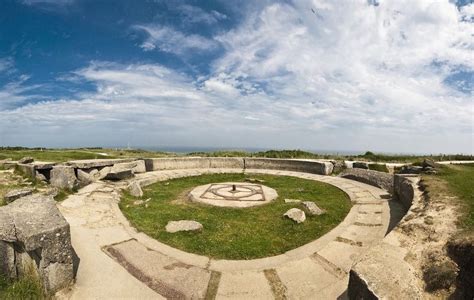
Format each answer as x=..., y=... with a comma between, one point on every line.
x=386, y=75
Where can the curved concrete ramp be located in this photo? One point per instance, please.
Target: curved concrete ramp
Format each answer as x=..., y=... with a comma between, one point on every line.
x=118, y=262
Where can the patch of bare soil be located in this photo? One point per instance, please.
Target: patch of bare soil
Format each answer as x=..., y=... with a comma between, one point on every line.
x=425, y=232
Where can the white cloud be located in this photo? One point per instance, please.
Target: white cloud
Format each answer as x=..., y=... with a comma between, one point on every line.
x=349, y=76
x=170, y=40
x=193, y=14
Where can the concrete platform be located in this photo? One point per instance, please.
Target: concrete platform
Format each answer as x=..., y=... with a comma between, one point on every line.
x=119, y=262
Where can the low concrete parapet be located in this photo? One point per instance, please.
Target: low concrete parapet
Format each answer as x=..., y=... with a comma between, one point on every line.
x=159, y=164
x=34, y=234
x=382, y=272
x=379, y=179
x=296, y=165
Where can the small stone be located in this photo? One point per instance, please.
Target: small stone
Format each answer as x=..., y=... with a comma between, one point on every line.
x=312, y=208
x=16, y=194
x=138, y=202
x=292, y=201
x=135, y=189
x=167, y=183
x=26, y=160
x=183, y=225
x=296, y=215
x=254, y=180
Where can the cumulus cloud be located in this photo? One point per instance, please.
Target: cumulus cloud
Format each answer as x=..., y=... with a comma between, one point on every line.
x=310, y=74
x=353, y=65
x=170, y=40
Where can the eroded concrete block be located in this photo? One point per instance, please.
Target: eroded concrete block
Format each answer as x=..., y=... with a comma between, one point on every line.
x=40, y=237
x=63, y=177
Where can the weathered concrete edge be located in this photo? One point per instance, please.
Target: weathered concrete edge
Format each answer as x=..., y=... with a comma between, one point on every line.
x=365, y=281
x=298, y=165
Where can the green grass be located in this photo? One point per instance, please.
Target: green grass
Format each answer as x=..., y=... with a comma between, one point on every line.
x=232, y=233
x=62, y=155
x=27, y=288
x=460, y=180
x=378, y=167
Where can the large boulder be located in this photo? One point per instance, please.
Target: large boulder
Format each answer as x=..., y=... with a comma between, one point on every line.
x=183, y=225
x=296, y=215
x=16, y=194
x=63, y=177
x=39, y=235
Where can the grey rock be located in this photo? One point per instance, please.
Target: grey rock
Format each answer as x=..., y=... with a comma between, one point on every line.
x=84, y=177
x=360, y=165
x=137, y=166
x=40, y=177
x=428, y=163
x=312, y=208
x=104, y=171
x=16, y=194
x=411, y=170
x=292, y=201
x=39, y=227
x=296, y=215
x=138, y=202
x=7, y=260
x=63, y=177
x=183, y=225
x=119, y=174
x=26, y=160
x=135, y=189
x=94, y=173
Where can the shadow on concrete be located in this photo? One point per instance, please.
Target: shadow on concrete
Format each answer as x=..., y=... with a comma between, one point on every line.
x=75, y=262
x=397, y=211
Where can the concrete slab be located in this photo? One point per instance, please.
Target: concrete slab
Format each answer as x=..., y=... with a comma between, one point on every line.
x=244, y=285
x=167, y=276
x=304, y=279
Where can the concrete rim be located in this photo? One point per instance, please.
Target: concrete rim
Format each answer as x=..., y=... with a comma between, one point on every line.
x=259, y=263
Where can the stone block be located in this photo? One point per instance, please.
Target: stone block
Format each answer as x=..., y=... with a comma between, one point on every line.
x=137, y=166
x=18, y=193
x=41, y=237
x=63, y=177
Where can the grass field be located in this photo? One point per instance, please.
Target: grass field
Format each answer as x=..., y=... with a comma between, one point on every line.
x=460, y=179
x=237, y=233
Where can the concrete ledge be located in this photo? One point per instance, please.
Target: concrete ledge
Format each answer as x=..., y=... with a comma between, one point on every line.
x=382, y=272
x=96, y=163
x=159, y=164
x=297, y=165
x=378, y=179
